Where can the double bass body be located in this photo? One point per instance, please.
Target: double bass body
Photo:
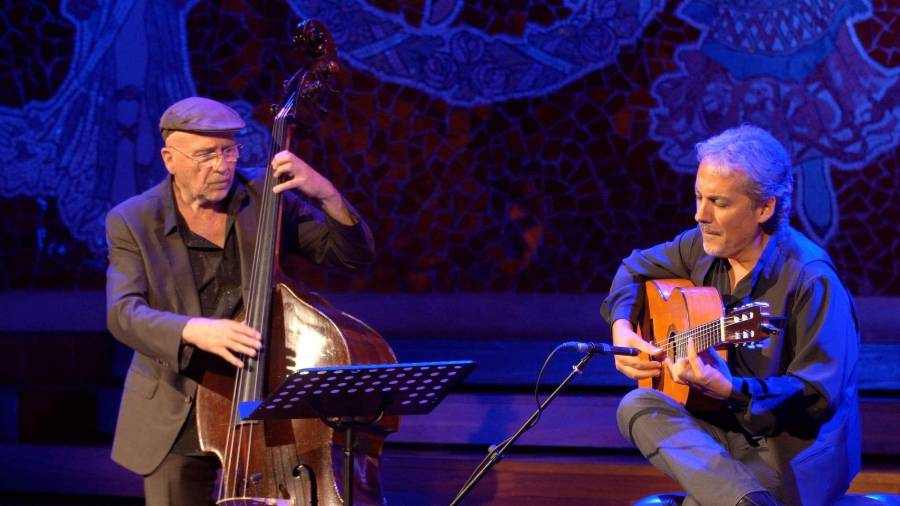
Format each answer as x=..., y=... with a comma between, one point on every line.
x=295, y=462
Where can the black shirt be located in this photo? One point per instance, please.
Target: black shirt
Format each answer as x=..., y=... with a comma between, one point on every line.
x=217, y=271
x=217, y=276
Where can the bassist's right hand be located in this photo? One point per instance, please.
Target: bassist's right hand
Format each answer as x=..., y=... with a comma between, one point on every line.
x=224, y=338
x=636, y=368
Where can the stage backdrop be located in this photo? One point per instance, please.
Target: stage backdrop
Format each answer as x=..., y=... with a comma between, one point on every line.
x=506, y=153
x=505, y=145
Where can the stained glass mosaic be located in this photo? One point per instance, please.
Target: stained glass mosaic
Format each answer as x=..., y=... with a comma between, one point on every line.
x=502, y=145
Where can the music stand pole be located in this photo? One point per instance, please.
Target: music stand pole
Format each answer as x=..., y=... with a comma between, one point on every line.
x=348, y=464
x=495, y=454
x=348, y=425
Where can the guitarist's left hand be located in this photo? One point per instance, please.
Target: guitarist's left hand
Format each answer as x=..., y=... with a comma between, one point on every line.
x=708, y=373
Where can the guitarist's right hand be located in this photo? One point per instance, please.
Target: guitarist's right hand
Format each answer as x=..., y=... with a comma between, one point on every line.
x=636, y=368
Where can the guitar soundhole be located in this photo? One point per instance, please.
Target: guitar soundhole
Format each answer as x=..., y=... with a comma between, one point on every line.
x=670, y=348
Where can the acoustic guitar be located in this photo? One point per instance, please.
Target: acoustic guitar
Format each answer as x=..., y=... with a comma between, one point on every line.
x=675, y=310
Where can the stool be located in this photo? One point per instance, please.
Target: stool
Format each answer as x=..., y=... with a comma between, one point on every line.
x=668, y=499
x=869, y=499
x=675, y=499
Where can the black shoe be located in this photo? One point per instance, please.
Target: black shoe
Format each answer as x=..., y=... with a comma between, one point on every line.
x=760, y=498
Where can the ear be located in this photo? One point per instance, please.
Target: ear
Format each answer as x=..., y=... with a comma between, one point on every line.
x=168, y=159
x=766, y=210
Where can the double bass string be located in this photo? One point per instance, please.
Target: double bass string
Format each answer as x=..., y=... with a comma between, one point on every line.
x=263, y=276
x=235, y=441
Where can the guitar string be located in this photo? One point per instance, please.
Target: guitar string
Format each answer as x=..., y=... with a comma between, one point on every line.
x=675, y=343
x=703, y=340
x=688, y=333
x=711, y=331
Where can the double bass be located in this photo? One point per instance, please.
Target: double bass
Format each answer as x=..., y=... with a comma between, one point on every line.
x=289, y=462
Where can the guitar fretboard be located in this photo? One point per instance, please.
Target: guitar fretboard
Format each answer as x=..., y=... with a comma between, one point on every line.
x=737, y=327
x=705, y=336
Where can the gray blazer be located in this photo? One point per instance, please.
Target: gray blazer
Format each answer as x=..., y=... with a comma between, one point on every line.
x=150, y=296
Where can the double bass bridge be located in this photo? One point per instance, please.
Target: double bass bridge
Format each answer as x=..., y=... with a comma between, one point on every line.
x=254, y=501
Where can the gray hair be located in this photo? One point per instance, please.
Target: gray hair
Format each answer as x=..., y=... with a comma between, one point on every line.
x=758, y=154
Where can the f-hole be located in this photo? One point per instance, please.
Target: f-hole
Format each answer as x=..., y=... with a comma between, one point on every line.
x=298, y=473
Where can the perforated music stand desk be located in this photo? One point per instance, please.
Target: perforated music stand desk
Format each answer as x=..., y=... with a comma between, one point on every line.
x=339, y=395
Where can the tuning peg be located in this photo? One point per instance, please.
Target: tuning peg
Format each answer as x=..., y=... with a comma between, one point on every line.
x=319, y=40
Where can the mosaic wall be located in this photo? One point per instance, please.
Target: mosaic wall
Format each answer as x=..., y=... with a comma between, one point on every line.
x=491, y=145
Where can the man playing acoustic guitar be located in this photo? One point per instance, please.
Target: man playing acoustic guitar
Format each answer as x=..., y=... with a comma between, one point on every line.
x=786, y=429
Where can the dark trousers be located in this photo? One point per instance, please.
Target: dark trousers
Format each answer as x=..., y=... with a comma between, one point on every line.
x=182, y=480
x=714, y=465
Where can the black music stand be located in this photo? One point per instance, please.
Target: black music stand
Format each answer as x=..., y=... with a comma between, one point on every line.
x=340, y=395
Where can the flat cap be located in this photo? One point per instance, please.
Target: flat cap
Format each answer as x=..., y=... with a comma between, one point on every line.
x=200, y=115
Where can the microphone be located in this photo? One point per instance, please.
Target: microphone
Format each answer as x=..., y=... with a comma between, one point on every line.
x=599, y=348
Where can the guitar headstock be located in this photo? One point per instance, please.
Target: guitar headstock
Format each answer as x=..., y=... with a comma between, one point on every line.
x=748, y=324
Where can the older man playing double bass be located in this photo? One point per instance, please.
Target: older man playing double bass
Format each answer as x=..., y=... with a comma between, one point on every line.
x=179, y=261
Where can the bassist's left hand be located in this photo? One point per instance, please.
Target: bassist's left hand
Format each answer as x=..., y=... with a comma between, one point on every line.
x=706, y=372
x=299, y=175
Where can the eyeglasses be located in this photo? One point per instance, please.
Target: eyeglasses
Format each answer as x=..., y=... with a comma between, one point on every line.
x=229, y=154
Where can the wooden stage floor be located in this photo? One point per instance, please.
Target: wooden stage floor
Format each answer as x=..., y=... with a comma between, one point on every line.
x=411, y=477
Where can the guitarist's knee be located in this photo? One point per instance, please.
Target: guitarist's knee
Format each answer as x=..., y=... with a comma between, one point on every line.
x=639, y=404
